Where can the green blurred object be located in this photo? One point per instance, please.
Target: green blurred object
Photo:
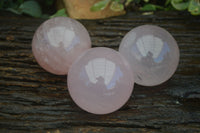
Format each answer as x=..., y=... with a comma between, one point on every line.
x=34, y=7
x=180, y=4
x=128, y=2
x=61, y=12
x=116, y=6
x=194, y=7
x=100, y=5
x=150, y=7
x=5, y=4
x=167, y=2
x=49, y=2
x=14, y=11
x=31, y=8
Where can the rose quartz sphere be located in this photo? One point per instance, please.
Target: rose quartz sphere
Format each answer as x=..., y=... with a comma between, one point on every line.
x=100, y=81
x=152, y=53
x=58, y=42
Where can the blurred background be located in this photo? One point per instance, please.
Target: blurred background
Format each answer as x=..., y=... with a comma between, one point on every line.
x=95, y=9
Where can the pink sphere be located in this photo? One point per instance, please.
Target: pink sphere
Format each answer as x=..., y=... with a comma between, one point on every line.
x=58, y=42
x=152, y=53
x=100, y=81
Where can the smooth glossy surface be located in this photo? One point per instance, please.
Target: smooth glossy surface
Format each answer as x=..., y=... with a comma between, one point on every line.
x=152, y=53
x=58, y=42
x=100, y=81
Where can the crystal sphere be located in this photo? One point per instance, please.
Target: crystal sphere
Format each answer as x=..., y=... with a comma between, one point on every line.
x=58, y=42
x=100, y=81
x=152, y=53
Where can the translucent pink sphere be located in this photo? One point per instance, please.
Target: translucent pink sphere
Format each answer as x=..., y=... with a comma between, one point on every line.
x=58, y=42
x=100, y=81
x=152, y=53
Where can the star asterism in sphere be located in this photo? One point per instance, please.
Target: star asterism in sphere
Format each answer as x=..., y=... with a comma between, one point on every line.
x=58, y=42
x=152, y=53
x=100, y=81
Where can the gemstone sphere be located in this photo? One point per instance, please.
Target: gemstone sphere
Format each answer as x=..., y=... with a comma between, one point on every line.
x=100, y=81
x=58, y=42
x=152, y=53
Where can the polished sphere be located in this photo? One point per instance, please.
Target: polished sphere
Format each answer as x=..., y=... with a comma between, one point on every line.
x=58, y=42
x=100, y=81
x=152, y=53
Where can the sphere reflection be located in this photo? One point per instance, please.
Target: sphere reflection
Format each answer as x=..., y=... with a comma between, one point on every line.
x=58, y=42
x=101, y=81
x=152, y=53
